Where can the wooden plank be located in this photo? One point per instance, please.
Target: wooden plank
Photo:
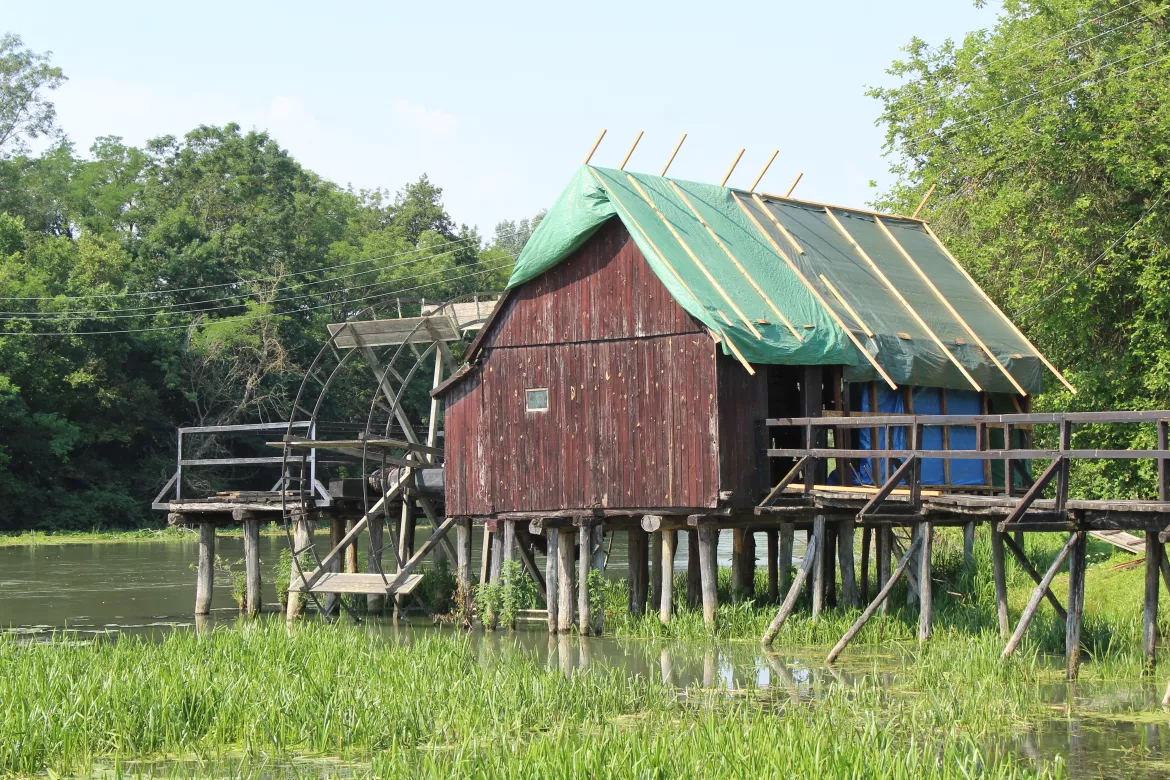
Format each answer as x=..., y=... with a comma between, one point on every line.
x=810, y=555
x=251, y=565
x=841, y=299
x=1041, y=590
x=677, y=146
x=205, y=569
x=901, y=299
x=393, y=332
x=708, y=573
x=808, y=285
x=759, y=290
x=666, y=588
x=998, y=310
x=338, y=583
x=876, y=604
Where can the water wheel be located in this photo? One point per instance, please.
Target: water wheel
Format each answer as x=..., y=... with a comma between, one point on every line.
x=363, y=449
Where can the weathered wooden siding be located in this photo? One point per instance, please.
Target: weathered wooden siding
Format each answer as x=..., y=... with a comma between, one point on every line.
x=743, y=408
x=632, y=419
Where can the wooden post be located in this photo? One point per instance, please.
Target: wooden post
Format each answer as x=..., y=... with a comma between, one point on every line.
x=866, y=540
x=885, y=537
x=1154, y=552
x=376, y=602
x=597, y=536
x=497, y=558
x=666, y=587
x=638, y=555
x=656, y=568
x=882, y=597
x=485, y=557
x=999, y=572
x=351, y=551
x=564, y=552
x=1076, y=605
x=743, y=564
x=818, y=540
x=1038, y=595
x=694, y=577
x=336, y=532
x=709, y=572
x=829, y=563
x=773, y=573
x=915, y=565
x=552, y=600
x=462, y=567
x=785, y=558
x=925, y=588
x=205, y=569
x=302, y=538
x=806, y=566
x=845, y=540
x=251, y=564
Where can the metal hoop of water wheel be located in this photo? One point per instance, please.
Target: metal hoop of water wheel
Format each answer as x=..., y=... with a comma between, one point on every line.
x=394, y=370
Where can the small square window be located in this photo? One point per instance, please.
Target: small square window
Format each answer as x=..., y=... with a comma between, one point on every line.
x=537, y=399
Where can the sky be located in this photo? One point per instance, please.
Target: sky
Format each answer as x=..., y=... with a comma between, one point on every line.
x=498, y=102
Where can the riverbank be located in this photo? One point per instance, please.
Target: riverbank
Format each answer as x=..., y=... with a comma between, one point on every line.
x=117, y=536
x=436, y=706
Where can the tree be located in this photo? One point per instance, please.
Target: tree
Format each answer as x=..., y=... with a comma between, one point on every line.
x=1047, y=140
x=25, y=112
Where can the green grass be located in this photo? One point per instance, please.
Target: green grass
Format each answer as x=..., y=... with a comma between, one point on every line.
x=434, y=707
x=163, y=534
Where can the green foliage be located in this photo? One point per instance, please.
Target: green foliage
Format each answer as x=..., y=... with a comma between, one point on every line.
x=25, y=76
x=1047, y=139
x=282, y=575
x=438, y=587
x=501, y=601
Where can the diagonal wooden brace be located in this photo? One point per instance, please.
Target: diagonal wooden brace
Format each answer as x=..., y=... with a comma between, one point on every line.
x=789, y=478
x=1033, y=493
x=872, y=505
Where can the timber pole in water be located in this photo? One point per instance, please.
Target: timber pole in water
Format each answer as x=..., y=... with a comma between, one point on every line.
x=251, y=563
x=205, y=569
x=708, y=572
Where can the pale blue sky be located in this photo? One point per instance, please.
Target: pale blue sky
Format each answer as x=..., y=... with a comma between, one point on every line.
x=499, y=102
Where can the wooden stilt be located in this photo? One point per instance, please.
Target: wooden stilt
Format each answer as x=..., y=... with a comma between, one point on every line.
x=969, y=545
x=376, y=602
x=637, y=555
x=552, y=602
x=565, y=550
x=999, y=573
x=810, y=556
x=1018, y=552
x=743, y=565
x=845, y=541
x=463, y=582
x=302, y=538
x=829, y=563
x=1154, y=554
x=866, y=539
x=1076, y=605
x=882, y=597
x=709, y=572
x=251, y=565
x=485, y=556
x=205, y=569
x=497, y=558
x=784, y=562
x=351, y=562
x=1037, y=596
x=818, y=544
x=694, y=577
x=584, y=562
x=666, y=566
x=597, y=537
x=656, y=569
x=525, y=548
x=336, y=532
x=773, y=572
x=915, y=565
x=509, y=552
x=885, y=537
x=925, y=588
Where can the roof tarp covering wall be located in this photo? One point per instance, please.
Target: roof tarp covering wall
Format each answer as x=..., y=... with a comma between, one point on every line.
x=738, y=284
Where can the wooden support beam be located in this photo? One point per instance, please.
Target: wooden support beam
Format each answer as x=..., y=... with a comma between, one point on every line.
x=947, y=304
x=1037, y=596
x=743, y=556
x=1033, y=493
x=808, y=285
x=694, y=576
x=1076, y=605
x=666, y=588
x=677, y=146
x=630, y=153
x=302, y=539
x=1154, y=554
x=655, y=570
x=866, y=543
x=922, y=202
x=900, y=298
x=638, y=559
x=739, y=266
x=598, y=563
x=584, y=564
x=845, y=543
x=336, y=534
x=818, y=586
x=552, y=582
x=792, y=186
x=875, y=605
x=885, y=539
x=784, y=560
x=925, y=587
x=252, y=603
x=565, y=593
x=485, y=554
x=788, y=479
x=205, y=569
x=999, y=573
x=810, y=556
x=708, y=572
x=593, y=148
x=969, y=545
x=416, y=559
x=764, y=170
x=524, y=549
x=998, y=310
x=845, y=305
x=465, y=589
x=734, y=163
x=773, y=538
x=1018, y=553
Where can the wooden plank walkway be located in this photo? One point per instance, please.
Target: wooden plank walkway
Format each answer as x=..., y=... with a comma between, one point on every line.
x=1121, y=539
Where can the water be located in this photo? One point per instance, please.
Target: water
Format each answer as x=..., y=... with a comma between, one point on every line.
x=1111, y=729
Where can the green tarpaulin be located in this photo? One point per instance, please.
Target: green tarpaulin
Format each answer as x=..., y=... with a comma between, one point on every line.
x=741, y=288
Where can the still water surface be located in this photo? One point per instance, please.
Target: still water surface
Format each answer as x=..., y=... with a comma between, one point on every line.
x=1097, y=730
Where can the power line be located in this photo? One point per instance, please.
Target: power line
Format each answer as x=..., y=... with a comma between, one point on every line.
x=145, y=293
x=1097, y=260
x=376, y=296
x=118, y=313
